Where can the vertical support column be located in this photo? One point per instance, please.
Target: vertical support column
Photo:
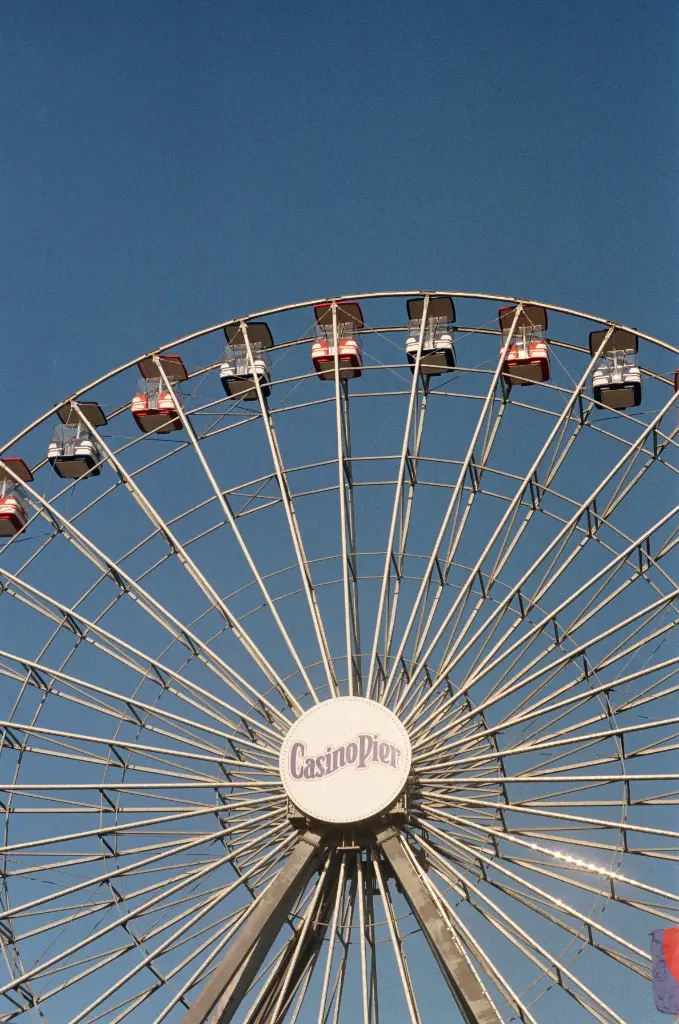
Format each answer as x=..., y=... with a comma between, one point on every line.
x=238, y=969
x=282, y=980
x=472, y=999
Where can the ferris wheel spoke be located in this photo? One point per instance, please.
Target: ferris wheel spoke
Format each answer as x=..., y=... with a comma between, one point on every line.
x=187, y=562
x=236, y=972
x=551, y=965
x=537, y=492
x=570, y=526
x=518, y=809
x=477, y=469
x=459, y=974
x=526, y=483
x=513, y=537
x=345, y=492
x=404, y=530
x=186, y=919
x=200, y=974
x=479, y=954
x=643, y=618
x=362, y=882
x=214, y=930
x=167, y=850
x=371, y=950
x=592, y=609
x=407, y=461
x=433, y=758
x=90, y=907
x=305, y=947
x=508, y=634
x=293, y=520
x=561, y=739
x=549, y=705
x=607, y=875
x=187, y=727
x=552, y=915
x=228, y=930
x=143, y=748
x=397, y=943
x=123, y=919
x=562, y=446
x=228, y=615
x=453, y=505
x=582, y=650
x=595, y=606
x=290, y=971
x=117, y=648
x=129, y=869
x=333, y=931
x=628, y=481
x=155, y=609
x=562, y=538
x=557, y=914
x=343, y=923
x=148, y=960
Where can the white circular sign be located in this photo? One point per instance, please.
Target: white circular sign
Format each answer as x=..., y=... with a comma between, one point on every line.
x=345, y=760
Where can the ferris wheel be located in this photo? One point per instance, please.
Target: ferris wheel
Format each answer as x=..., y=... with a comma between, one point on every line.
x=339, y=673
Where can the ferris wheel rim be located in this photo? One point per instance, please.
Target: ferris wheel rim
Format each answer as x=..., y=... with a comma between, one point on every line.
x=374, y=868
x=310, y=303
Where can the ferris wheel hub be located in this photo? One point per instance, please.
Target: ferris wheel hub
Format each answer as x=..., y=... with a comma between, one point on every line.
x=345, y=760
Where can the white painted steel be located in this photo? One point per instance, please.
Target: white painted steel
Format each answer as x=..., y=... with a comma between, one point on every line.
x=496, y=569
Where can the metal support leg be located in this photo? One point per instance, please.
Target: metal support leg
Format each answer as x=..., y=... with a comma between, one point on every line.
x=311, y=943
x=247, y=952
x=472, y=999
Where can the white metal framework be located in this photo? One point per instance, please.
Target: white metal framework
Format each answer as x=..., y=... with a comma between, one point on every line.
x=496, y=563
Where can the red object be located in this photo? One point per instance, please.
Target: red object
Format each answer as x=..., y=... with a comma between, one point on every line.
x=13, y=517
x=676, y=380
x=526, y=363
x=323, y=358
x=156, y=413
x=527, y=358
x=665, y=969
x=670, y=946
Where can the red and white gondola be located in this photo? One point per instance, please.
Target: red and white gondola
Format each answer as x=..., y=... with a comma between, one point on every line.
x=13, y=514
x=349, y=357
x=527, y=359
x=154, y=406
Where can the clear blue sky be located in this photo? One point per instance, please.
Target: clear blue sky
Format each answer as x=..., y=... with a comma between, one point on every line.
x=166, y=165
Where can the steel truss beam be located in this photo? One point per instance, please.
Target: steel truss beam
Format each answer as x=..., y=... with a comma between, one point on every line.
x=221, y=997
x=238, y=969
x=299, y=956
x=472, y=999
